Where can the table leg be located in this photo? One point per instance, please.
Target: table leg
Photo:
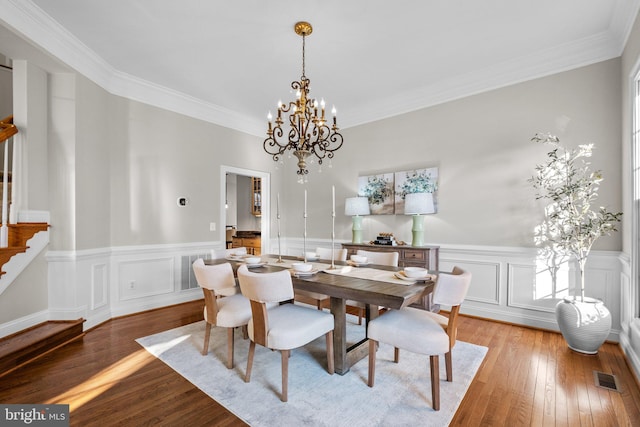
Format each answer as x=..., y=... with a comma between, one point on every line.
x=339, y=311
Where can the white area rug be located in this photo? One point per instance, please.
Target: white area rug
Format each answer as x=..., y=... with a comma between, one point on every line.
x=401, y=396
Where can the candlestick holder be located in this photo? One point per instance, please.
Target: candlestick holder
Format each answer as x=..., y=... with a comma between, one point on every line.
x=279, y=245
x=333, y=236
x=304, y=239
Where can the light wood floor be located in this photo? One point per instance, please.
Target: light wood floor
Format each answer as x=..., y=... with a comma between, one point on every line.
x=529, y=377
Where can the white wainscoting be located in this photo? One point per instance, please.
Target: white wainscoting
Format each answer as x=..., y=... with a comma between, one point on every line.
x=98, y=285
x=510, y=285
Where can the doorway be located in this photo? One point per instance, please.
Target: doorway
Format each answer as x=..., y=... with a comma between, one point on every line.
x=237, y=182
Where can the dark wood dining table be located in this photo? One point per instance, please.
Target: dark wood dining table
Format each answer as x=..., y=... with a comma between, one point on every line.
x=341, y=288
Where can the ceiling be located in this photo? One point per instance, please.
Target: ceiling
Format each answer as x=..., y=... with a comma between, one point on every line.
x=229, y=62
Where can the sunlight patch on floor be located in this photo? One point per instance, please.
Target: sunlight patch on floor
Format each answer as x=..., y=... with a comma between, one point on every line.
x=103, y=381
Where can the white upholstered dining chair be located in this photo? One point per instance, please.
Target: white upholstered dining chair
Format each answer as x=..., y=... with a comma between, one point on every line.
x=380, y=258
x=423, y=332
x=338, y=254
x=230, y=311
x=283, y=327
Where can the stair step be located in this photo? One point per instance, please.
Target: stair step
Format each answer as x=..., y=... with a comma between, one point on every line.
x=23, y=347
x=19, y=234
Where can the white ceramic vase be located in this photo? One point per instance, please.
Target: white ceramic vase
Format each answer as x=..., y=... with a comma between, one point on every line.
x=585, y=324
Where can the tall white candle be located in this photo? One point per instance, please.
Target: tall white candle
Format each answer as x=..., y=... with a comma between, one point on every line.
x=278, y=207
x=333, y=200
x=305, y=203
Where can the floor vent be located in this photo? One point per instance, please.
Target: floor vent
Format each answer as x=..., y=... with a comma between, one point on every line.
x=607, y=381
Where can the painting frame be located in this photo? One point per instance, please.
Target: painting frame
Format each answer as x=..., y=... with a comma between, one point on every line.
x=379, y=189
x=386, y=191
x=423, y=180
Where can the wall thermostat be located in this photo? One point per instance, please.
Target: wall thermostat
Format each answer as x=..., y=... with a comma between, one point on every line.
x=183, y=201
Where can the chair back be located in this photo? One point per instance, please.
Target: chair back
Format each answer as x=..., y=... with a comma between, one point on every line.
x=381, y=258
x=218, y=253
x=325, y=253
x=265, y=287
x=214, y=277
x=451, y=288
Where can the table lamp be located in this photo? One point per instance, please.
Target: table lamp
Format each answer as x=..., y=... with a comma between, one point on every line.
x=416, y=204
x=354, y=207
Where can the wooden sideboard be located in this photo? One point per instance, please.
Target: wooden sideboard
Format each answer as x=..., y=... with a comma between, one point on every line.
x=409, y=256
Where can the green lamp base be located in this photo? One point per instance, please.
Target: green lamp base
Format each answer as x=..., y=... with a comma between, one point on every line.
x=417, y=231
x=356, y=231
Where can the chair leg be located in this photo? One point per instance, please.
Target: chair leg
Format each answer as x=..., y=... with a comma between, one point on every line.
x=245, y=332
x=230, y=342
x=396, y=354
x=285, y=373
x=252, y=350
x=435, y=381
x=207, y=333
x=330, y=365
x=449, y=366
x=372, y=362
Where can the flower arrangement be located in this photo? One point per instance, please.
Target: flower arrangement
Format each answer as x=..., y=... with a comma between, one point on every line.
x=571, y=226
x=377, y=189
x=417, y=182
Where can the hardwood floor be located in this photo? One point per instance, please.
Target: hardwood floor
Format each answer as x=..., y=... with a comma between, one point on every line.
x=529, y=377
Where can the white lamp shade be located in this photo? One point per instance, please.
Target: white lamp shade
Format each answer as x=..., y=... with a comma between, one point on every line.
x=418, y=203
x=356, y=206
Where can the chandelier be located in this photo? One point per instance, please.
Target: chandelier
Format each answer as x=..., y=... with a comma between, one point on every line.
x=309, y=134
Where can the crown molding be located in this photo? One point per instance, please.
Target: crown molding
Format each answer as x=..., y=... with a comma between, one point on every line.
x=622, y=20
x=40, y=29
x=560, y=58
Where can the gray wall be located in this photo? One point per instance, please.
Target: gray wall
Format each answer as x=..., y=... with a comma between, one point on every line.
x=481, y=145
x=160, y=156
x=6, y=88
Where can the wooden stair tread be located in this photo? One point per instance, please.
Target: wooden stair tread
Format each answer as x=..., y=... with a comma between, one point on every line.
x=19, y=234
x=26, y=346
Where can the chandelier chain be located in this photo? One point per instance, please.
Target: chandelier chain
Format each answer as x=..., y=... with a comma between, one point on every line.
x=303, y=64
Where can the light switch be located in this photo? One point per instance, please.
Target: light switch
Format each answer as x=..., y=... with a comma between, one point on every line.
x=212, y=226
